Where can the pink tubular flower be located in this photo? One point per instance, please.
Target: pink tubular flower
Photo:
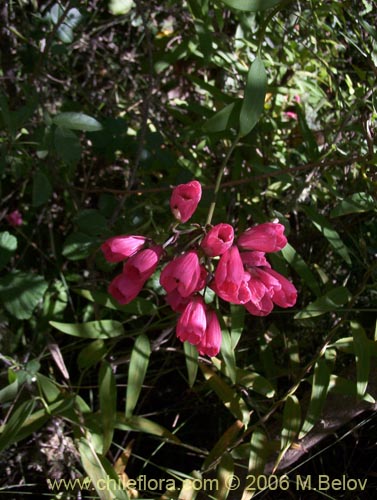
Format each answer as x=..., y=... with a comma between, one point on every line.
x=267, y=237
x=142, y=265
x=176, y=302
x=192, y=323
x=124, y=289
x=254, y=259
x=185, y=199
x=261, y=308
x=183, y=274
x=14, y=218
x=286, y=296
x=230, y=281
x=218, y=240
x=210, y=343
x=118, y=248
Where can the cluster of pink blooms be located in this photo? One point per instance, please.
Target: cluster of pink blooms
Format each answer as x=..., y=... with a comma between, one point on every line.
x=14, y=218
x=235, y=269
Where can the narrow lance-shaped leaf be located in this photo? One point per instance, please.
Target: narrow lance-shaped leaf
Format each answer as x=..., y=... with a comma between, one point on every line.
x=225, y=473
x=259, y=452
x=362, y=355
x=229, y=356
x=10, y=430
x=291, y=426
x=255, y=93
x=321, y=381
x=104, y=329
x=136, y=372
x=250, y=5
x=107, y=400
x=191, y=356
x=329, y=302
x=224, y=443
x=301, y=267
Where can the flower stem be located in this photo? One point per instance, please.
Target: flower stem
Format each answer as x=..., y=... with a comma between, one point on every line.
x=219, y=178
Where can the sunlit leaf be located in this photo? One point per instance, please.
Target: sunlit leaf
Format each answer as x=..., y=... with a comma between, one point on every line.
x=9, y=433
x=331, y=301
x=300, y=266
x=254, y=96
x=8, y=245
x=225, y=472
x=107, y=401
x=362, y=355
x=291, y=426
x=356, y=203
x=191, y=356
x=77, y=121
x=103, y=329
x=136, y=372
x=259, y=450
x=250, y=5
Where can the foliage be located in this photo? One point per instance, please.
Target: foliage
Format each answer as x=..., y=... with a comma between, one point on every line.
x=103, y=107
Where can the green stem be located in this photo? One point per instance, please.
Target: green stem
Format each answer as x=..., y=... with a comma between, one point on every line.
x=219, y=178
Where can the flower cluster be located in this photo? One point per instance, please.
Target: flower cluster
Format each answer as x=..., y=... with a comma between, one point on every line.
x=236, y=269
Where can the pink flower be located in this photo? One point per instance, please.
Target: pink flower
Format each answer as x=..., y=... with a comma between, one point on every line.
x=262, y=307
x=267, y=237
x=14, y=218
x=192, y=324
x=118, y=248
x=185, y=199
x=230, y=281
x=254, y=259
x=210, y=343
x=218, y=240
x=291, y=114
x=286, y=295
x=142, y=265
x=183, y=274
x=124, y=289
x=176, y=302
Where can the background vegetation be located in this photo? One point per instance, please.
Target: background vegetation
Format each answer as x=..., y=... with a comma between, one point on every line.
x=104, y=105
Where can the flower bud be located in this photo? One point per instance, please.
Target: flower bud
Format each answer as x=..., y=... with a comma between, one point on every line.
x=192, y=323
x=218, y=240
x=211, y=341
x=230, y=281
x=183, y=274
x=185, y=199
x=118, y=248
x=267, y=237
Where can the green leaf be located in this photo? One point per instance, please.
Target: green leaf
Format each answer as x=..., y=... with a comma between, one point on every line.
x=191, y=356
x=223, y=444
x=78, y=246
x=255, y=93
x=224, y=119
x=136, y=372
x=237, y=315
x=104, y=329
x=141, y=424
x=91, y=354
x=254, y=381
x=329, y=302
x=250, y=5
x=67, y=145
x=138, y=306
x=9, y=392
x=42, y=189
x=259, y=451
x=357, y=203
x=228, y=355
x=362, y=355
x=100, y=473
x=107, y=402
x=21, y=292
x=10, y=429
x=77, y=121
x=8, y=245
x=50, y=390
x=300, y=266
x=340, y=385
x=225, y=472
x=120, y=7
x=332, y=236
x=321, y=382
x=291, y=426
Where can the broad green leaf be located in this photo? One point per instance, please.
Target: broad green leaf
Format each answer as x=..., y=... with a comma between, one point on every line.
x=67, y=145
x=228, y=355
x=321, y=382
x=332, y=236
x=255, y=93
x=100, y=473
x=138, y=306
x=91, y=354
x=331, y=301
x=191, y=356
x=362, y=355
x=77, y=121
x=21, y=292
x=224, y=443
x=250, y=5
x=8, y=245
x=357, y=203
x=255, y=382
x=104, y=329
x=42, y=189
x=231, y=400
x=9, y=430
x=120, y=7
x=9, y=392
x=141, y=424
x=224, y=119
x=65, y=30
x=300, y=266
x=237, y=315
x=107, y=402
x=340, y=385
x=225, y=473
x=259, y=451
x=291, y=426
x=136, y=372
x=49, y=389
x=78, y=246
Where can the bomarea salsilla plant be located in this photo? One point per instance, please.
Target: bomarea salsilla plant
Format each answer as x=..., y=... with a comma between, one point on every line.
x=199, y=257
